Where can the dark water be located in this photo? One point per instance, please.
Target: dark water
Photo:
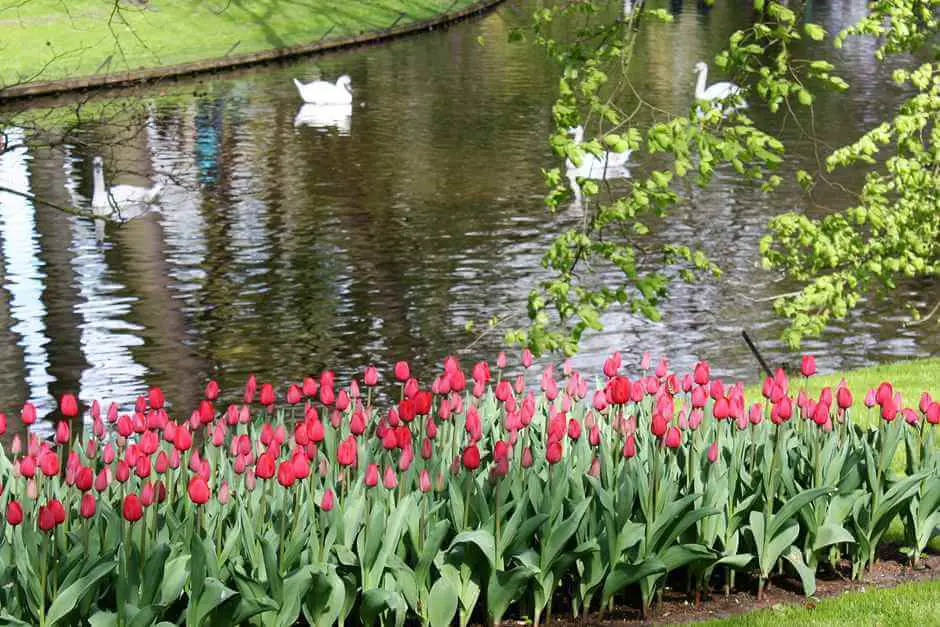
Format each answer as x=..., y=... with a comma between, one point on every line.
x=283, y=248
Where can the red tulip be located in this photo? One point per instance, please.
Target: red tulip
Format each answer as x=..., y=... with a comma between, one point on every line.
x=619, y=390
x=327, y=502
x=310, y=387
x=372, y=475
x=629, y=447
x=346, y=452
x=132, y=508
x=402, y=371
x=85, y=479
x=844, y=397
x=3, y=423
x=212, y=390
x=46, y=518
x=68, y=405
x=673, y=437
x=267, y=394
x=62, y=432
x=49, y=464
x=14, y=513
x=371, y=376
x=183, y=440
x=28, y=415
x=147, y=495
x=889, y=410
x=250, y=386
x=659, y=425
x=390, y=479
x=265, y=466
x=526, y=358
x=713, y=452
x=471, y=457
x=574, y=429
x=58, y=511
x=933, y=413
x=808, y=366
x=702, y=373
x=424, y=481
x=612, y=365
x=206, y=412
x=300, y=465
x=102, y=479
x=327, y=394
x=553, y=452
x=198, y=490
x=155, y=398
x=285, y=473
x=294, y=394
x=224, y=493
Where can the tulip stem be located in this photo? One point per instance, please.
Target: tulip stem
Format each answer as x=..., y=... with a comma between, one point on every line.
x=283, y=531
x=43, y=566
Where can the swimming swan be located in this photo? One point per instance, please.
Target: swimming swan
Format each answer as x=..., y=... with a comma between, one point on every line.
x=611, y=165
x=719, y=91
x=322, y=92
x=123, y=198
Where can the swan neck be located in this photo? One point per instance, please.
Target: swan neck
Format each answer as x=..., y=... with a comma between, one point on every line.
x=700, y=83
x=98, y=191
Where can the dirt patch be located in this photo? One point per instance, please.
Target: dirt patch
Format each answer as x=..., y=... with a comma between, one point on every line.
x=890, y=570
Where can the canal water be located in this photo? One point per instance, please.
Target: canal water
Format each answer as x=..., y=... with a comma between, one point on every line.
x=288, y=240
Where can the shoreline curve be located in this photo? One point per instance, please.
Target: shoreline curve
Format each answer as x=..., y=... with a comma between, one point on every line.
x=193, y=68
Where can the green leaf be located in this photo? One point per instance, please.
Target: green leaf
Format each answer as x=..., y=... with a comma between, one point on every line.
x=174, y=579
x=442, y=603
x=623, y=575
x=69, y=598
x=815, y=31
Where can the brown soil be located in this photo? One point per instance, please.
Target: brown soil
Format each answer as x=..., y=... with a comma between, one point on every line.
x=890, y=570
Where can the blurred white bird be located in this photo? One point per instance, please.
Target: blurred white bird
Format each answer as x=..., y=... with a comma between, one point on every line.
x=323, y=92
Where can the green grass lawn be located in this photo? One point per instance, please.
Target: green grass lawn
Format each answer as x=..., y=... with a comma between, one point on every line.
x=908, y=604
x=51, y=39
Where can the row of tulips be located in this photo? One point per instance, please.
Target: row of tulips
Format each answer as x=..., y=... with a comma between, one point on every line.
x=467, y=499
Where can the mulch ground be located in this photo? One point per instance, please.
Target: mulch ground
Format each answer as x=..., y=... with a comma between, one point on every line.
x=891, y=569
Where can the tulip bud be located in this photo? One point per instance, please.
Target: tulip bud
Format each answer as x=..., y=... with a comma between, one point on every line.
x=132, y=508
x=327, y=502
x=629, y=447
x=224, y=493
x=424, y=481
x=390, y=479
x=372, y=475
x=14, y=513
x=808, y=366
x=713, y=452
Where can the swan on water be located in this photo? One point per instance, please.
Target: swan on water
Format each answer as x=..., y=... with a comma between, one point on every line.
x=594, y=167
x=324, y=117
x=323, y=92
x=719, y=91
x=126, y=200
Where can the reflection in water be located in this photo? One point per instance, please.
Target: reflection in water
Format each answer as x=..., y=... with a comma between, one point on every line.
x=24, y=280
x=325, y=117
x=284, y=250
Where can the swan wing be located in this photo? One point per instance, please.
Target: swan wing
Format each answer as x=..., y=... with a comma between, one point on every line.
x=719, y=91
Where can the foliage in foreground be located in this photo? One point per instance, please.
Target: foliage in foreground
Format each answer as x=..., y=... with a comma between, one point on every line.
x=891, y=231
x=472, y=499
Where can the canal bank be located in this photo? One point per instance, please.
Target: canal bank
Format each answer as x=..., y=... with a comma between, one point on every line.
x=50, y=50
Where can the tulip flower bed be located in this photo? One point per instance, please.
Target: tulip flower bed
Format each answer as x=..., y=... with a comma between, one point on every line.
x=472, y=499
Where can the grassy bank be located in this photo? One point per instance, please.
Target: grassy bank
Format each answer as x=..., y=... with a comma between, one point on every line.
x=908, y=604
x=48, y=39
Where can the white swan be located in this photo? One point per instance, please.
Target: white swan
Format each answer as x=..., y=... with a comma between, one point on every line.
x=611, y=165
x=719, y=91
x=126, y=200
x=322, y=92
x=336, y=116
